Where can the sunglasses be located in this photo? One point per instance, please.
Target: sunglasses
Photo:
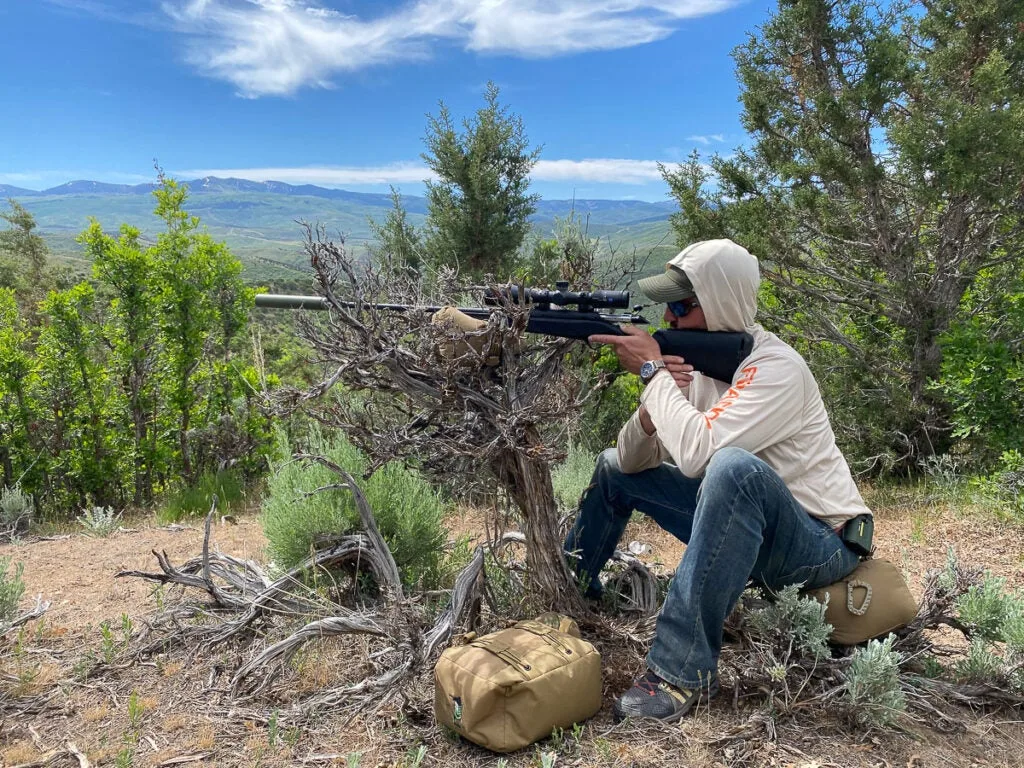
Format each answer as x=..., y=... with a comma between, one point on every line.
x=681, y=308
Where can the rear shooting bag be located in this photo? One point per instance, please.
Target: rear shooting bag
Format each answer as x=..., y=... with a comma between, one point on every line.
x=870, y=602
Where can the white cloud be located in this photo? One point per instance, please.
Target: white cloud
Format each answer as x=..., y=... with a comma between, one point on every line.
x=396, y=173
x=605, y=170
x=707, y=140
x=275, y=47
x=599, y=170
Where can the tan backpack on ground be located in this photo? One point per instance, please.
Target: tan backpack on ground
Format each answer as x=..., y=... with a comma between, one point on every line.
x=511, y=688
x=870, y=602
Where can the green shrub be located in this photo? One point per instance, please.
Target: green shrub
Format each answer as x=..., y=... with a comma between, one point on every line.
x=873, y=684
x=11, y=588
x=16, y=510
x=606, y=415
x=407, y=509
x=1013, y=629
x=986, y=607
x=196, y=499
x=99, y=521
x=980, y=665
x=572, y=476
x=1005, y=486
x=793, y=618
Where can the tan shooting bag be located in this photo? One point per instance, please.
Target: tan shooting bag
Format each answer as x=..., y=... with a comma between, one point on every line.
x=870, y=602
x=511, y=688
x=470, y=341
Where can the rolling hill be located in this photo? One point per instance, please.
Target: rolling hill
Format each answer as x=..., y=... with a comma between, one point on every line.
x=259, y=220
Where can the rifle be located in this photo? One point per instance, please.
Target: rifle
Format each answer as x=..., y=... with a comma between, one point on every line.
x=717, y=354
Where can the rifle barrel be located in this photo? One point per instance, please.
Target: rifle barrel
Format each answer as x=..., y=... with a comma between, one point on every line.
x=288, y=301
x=282, y=301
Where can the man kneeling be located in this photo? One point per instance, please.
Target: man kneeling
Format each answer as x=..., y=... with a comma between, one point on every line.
x=748, y=475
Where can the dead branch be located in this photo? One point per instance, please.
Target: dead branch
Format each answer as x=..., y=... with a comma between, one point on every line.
x=432, y=395
x=278, y=654
x=34, y=612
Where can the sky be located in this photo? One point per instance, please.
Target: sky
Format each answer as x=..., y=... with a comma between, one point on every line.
x=338, y=92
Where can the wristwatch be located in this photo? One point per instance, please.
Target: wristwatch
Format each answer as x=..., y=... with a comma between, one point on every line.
x=648, y=369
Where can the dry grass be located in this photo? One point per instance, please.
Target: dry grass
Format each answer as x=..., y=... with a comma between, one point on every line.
x=22, y=751
x=186, y=711
x=205, y=739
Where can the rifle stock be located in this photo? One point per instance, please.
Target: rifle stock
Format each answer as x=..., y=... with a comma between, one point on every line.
x=716, y=354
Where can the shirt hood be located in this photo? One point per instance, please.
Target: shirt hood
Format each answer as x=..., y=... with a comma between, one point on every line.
x=725, y=278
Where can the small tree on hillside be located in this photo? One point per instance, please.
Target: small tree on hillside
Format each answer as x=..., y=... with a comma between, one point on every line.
x=199, y=292
x=886, y=176
x=397, y=239
x=478, y=207
x=23, y=254
x=127, y=269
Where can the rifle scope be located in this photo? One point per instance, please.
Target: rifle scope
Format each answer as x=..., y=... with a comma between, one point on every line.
x=585, y=301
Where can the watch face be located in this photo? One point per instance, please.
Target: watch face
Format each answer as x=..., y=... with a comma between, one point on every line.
x=647, y=370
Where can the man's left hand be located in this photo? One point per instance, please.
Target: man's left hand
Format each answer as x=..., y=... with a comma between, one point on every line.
x=633, y=349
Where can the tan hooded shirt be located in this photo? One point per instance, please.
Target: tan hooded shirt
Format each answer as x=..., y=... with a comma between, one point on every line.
x=773, y=408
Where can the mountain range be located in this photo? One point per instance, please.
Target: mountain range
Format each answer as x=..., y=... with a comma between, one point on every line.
x=259, y=220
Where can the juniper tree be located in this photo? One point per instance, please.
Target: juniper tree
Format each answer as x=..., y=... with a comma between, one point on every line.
x=884, y=178
x=479, y=206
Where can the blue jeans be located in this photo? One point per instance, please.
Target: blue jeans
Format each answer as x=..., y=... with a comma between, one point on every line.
x=739, y=522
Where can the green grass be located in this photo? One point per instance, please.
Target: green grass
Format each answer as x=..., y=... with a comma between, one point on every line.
x=195, y=500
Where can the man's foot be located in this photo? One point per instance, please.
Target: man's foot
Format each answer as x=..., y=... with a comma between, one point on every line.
x=652, y=697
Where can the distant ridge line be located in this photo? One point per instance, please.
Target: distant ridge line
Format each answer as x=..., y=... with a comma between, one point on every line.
x=216, y=184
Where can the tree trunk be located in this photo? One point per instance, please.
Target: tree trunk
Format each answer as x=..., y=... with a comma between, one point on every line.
x=550, y=584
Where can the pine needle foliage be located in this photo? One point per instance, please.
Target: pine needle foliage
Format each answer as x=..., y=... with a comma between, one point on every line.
x=873, y=684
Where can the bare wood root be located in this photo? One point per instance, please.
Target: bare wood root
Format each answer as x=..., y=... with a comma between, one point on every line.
x=34, y=612
x=230, y=583
x=465, y=602
x=279, y=653
x=352, y=551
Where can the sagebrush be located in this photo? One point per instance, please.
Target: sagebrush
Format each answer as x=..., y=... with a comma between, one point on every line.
x=297, y=517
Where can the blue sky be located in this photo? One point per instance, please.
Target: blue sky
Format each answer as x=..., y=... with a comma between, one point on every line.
x=336, y=92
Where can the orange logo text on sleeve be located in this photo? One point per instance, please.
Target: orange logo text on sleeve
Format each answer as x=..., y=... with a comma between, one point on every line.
x=732, y=395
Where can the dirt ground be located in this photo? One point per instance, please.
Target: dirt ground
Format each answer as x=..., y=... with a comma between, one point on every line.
x=162, y=712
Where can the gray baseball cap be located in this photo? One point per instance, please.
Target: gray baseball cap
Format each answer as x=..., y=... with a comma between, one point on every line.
x=670, y=285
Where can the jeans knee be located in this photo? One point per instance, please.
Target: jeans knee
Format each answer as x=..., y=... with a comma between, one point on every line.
x=607, y=476
x=732, y=465
x=608, y=460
